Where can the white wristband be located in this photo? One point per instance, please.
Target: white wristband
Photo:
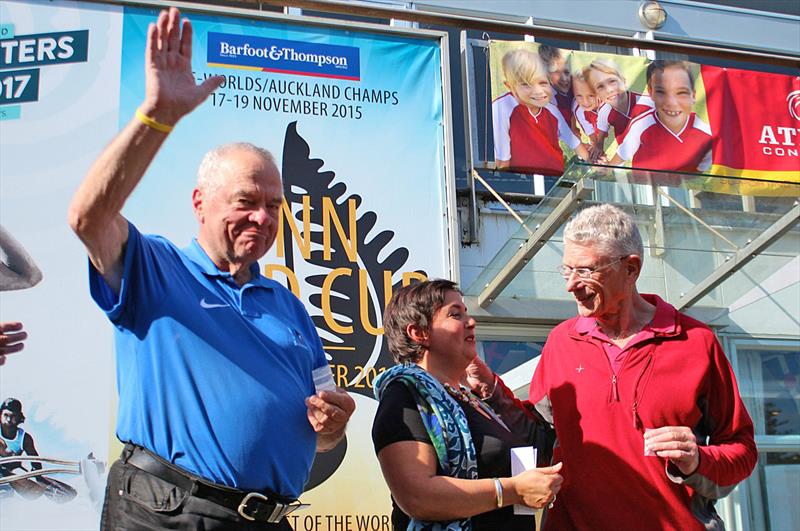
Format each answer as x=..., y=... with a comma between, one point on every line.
x=498, y=490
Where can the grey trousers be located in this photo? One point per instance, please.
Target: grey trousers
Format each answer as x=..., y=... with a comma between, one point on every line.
x=137, y=501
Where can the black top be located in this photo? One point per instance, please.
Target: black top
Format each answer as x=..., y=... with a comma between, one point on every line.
x=398, y=419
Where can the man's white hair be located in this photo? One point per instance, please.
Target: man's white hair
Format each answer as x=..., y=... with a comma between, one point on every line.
x=209, y=172
x=608, y=228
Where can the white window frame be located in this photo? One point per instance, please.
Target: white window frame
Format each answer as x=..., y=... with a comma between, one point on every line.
x=745, y=505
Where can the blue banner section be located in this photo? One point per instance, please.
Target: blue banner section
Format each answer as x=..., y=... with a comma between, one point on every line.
x=10, y=112
x=279, y=55
x=19, y=86
x=6, y=31
x=44, y=49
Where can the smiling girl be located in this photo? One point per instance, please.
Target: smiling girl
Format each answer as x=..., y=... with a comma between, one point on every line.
x=618, y=104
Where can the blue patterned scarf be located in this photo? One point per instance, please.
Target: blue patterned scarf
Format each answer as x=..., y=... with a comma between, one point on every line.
x=447, y=427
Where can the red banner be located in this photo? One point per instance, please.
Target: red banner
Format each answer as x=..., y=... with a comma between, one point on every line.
x=756, y=120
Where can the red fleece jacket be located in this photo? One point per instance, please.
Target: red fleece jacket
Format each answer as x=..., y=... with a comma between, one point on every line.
x=680, y=377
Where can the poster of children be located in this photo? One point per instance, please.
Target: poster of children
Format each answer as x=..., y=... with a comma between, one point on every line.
x=550, y=104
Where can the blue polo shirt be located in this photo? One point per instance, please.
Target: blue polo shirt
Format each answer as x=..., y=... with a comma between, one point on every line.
x=212, y=376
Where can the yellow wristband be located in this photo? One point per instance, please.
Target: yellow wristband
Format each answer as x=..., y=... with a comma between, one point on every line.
x=498, y=490
x=153, y=124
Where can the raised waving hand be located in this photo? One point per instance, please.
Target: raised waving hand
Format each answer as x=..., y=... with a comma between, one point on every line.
x=171, y=91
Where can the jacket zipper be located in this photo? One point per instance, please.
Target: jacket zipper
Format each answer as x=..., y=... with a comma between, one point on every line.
x=614, y=389
x=637, y=422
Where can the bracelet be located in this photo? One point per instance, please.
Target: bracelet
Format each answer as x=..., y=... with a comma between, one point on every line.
x=498, y=491
x=486, y=396
x=152, y=123
x=494, y=386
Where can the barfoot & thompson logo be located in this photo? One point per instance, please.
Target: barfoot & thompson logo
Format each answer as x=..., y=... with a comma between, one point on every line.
x=283, y=56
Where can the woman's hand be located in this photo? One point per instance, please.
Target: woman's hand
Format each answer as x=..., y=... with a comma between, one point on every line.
x=538, y=487
x=480, y=378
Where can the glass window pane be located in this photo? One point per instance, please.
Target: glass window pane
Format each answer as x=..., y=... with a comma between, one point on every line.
x=774, y=491
x=768, y=381
x=774, y=205
x=717, y=201
x=502, y=356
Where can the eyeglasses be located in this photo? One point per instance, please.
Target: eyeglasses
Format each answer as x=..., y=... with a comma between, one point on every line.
x=585, y=272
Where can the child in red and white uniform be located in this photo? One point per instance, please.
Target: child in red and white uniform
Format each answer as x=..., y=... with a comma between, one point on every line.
x=585, y=106
x=561, y=80
x=527, y=134
x=618, y=104
x=671, y=137
x=502, y=108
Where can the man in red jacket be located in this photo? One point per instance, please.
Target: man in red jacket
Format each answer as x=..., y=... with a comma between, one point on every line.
x=650, y=425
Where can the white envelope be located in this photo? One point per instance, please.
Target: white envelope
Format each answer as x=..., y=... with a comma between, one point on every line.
x=522, y=459
x=323, y=379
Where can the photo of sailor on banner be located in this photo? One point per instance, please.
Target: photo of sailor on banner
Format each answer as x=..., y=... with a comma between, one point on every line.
x=27, y=474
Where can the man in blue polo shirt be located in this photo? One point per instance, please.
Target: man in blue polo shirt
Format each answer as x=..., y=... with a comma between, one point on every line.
x=216, y=365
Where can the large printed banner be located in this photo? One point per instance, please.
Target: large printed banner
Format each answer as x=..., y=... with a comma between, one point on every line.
x=59, y=77
x=549, y=104
x=355, y=122
x=761, y=135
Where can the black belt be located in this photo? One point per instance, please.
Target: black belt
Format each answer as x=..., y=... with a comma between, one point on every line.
x=253, y=506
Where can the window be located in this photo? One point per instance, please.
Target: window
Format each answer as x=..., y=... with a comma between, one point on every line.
x=503, y=356
x=514, y=361
x=512, y=352
x=769, y=374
